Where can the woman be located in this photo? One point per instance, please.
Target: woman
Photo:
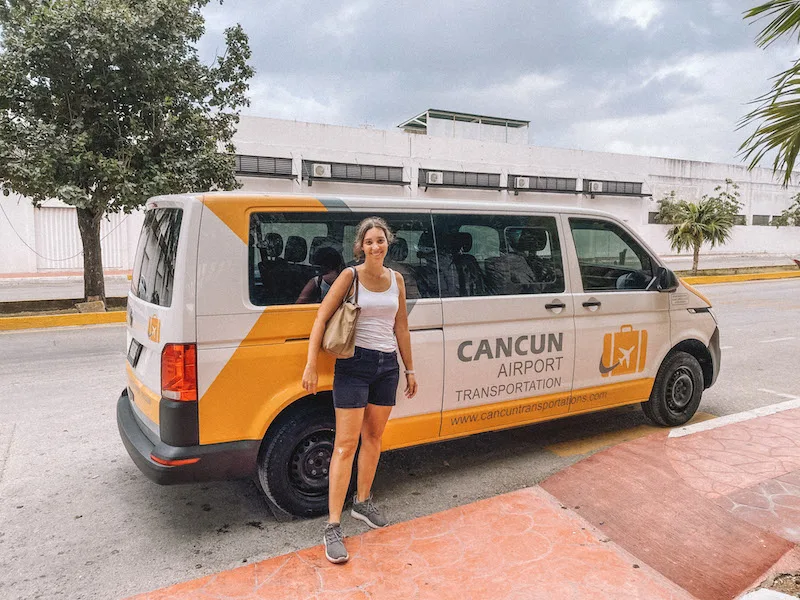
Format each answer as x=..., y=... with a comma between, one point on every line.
x=364, y=386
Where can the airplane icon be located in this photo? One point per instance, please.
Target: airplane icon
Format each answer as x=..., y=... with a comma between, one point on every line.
x=626, y=356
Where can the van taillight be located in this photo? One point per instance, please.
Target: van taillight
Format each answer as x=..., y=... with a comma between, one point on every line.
x=179, y=372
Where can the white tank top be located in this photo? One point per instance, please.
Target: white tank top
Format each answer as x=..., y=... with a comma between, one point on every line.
x=375, y=325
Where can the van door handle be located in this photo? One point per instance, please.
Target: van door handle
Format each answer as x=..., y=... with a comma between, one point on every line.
x=591, y=303
x=553, y=305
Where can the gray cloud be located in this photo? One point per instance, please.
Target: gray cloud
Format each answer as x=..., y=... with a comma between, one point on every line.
x=641, y=76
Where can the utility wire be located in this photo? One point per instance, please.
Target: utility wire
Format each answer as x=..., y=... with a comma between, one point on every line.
x=55, y=259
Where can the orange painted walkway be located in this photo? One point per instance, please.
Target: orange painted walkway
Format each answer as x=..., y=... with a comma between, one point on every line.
x=519, y=545
x=706, y=515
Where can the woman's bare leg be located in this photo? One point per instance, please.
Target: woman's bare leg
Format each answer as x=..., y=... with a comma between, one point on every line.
x=374, y=422
x=348, y=429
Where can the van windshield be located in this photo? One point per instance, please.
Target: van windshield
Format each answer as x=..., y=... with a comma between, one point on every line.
x=154, y=266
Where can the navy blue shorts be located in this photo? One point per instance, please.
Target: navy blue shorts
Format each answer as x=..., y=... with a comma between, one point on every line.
x=369, y=377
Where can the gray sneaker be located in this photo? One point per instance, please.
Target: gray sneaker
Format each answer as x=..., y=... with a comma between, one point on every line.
x=334, y=543
x=366, y=511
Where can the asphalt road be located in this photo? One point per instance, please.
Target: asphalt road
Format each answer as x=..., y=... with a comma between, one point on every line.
x=78, y=520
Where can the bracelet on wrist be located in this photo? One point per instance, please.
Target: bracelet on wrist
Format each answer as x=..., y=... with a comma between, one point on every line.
x=410, y=372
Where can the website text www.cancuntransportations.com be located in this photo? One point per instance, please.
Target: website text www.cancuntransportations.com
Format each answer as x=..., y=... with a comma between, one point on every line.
x=530, y=407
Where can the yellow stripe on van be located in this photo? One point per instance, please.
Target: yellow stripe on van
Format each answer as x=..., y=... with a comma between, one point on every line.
x=491, y=417
x=694, y=290
x=145, y=399
x=410, y=431
x=263, y=376
x=233, y=210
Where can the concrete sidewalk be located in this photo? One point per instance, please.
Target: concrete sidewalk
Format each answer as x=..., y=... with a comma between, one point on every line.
x=25, y=287
x=706, y=511
x=729, y=261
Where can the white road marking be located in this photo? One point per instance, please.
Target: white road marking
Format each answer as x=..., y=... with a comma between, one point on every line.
x=776, y=340
x=782, y=395
x=793, y=402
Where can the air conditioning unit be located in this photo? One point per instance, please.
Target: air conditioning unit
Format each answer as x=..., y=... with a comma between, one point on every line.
x=321, y=170
x=596, y=187
x=434, y=178
x=522, y=183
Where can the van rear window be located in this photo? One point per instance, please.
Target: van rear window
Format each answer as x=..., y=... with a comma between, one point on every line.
x=154, y=267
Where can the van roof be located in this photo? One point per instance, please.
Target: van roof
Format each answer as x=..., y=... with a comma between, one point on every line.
x=350, y=201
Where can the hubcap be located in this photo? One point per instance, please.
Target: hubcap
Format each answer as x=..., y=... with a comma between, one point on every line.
x=310, y=463
x=680, y=389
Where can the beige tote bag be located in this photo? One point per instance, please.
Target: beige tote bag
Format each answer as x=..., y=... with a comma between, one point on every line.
x=340, y=332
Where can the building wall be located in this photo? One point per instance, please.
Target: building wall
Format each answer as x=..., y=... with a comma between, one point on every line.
x=760, y=192
x=46, y=240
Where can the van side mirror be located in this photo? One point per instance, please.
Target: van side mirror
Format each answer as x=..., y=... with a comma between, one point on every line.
x=665, y=280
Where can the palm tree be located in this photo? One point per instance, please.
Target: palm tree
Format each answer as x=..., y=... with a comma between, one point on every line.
x=777, y=113
x=693, y=224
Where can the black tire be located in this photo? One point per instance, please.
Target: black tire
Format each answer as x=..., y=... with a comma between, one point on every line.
x=647, y=409
x=677, y=391
x=294, y=460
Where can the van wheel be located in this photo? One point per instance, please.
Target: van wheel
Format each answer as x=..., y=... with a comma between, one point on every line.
x=293, y=463
x=677, y=391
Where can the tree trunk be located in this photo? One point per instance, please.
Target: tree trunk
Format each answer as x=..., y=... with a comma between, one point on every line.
x=696, y=259
x=94, y=286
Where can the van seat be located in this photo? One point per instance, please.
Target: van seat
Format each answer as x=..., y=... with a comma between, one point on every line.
x=395, y=259
x=531, y=241
x=470, y=276
x=427, y=276
x=297, y=273
x=323, y=242
x=272, y=267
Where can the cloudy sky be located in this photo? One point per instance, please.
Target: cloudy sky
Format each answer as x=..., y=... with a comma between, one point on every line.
x=658, y=77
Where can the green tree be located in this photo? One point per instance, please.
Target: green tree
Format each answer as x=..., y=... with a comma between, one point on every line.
x=708, y=221
x=777, y=113
x=790, y=216
x=104, y=103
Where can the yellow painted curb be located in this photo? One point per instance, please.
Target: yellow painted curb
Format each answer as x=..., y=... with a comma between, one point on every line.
x=700, y=279
x=41, y=321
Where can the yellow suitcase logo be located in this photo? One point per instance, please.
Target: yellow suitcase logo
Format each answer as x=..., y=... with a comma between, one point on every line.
x=154, y=329
x=624, y=352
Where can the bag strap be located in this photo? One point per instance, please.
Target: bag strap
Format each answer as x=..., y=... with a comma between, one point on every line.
x=355, y=285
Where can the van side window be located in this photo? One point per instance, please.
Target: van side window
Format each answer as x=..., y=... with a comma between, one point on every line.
x=609, y=257
x=295, y=257
x=498, y=255
x=154, y=266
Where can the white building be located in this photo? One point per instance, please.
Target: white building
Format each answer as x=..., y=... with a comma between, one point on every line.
x=437, y=154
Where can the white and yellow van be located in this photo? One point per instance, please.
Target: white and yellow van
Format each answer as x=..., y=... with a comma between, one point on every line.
x=518, y=314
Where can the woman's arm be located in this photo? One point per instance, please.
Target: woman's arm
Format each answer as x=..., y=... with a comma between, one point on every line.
x=330, y=303
x=404, y=338
x=307, y=295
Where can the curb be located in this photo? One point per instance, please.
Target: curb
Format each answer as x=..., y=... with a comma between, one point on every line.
x=43, y=321
x=705, y=279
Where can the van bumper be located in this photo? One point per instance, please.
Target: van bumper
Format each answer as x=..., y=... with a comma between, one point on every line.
x=230, y=460
x=716, y=356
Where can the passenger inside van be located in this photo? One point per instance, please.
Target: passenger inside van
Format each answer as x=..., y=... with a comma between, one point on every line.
x=330, y=261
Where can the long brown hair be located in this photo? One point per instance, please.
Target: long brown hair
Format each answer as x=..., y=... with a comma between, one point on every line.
x=364, y=227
